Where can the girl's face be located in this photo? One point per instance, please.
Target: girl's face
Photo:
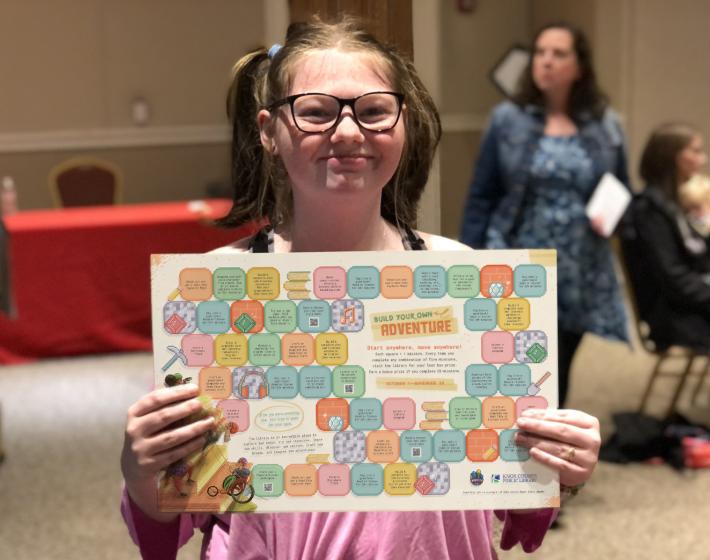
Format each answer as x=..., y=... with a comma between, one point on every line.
x=691, y=158
x=554, y=65
x=346, y=161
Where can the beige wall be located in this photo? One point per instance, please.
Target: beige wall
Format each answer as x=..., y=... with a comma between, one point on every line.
x=77, y=64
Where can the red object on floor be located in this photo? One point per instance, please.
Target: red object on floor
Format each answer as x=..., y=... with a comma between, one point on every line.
x=80, y=277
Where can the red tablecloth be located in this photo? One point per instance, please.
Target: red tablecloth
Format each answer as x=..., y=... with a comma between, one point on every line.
x=80, y=277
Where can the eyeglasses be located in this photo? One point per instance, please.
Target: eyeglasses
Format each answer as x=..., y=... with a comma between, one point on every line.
x=319, y=112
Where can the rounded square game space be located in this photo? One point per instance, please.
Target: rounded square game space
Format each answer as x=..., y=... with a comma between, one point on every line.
x=365, y=414
x=334, y=480
x=463, y=281
x=249, y=383
x=399, y=413
x=297, y=349
x=514, y=314
x=529, y=402
x=367, y=479
x=449, y=446
x=348, y=381
x=530, y=280
x=348, y=315
x=400, y=479
x=264, y=349
x=349, y=447
x=215, y=382
x=438, y=477
x=282, y=382
x=229, y=283
x=530, y=347
x=331, y=349
x=332, y=415
x=514, y=379
x=263, y=283
x=313, y=315
x=479, y=314
x=300, y=480
x=396, y=282
x=430, y=281
x=464, y=413
x=496, y=281
x=237, y=412
x=329, y=282
x=231, y=349
x=497, y=347
x=198, y=349
x=509, y=451
x=416, y=446
x=315, y=382
x=247, y=316
x=363, y=282
x=498, y=412
x=213, y=317
x=280, y=316
x=268, y=480
x=481, y=380
x=482, y=445
x=180, y=317
x=382, y=446
x=195, y=284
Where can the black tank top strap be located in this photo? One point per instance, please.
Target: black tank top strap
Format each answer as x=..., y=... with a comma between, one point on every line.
x=263, y=241
x=411, y=239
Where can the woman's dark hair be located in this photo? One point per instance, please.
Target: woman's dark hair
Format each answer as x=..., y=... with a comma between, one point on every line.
x=585, y=96
x=259, y=180
x=658, y=166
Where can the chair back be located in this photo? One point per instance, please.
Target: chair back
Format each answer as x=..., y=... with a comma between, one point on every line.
x=85, y=181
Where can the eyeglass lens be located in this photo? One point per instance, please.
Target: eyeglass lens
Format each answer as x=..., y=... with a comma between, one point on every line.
x=373, y=111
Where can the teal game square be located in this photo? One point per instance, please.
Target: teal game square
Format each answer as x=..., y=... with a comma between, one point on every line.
x=268, y=480
x=313, y=315
x=367, y=479
x=479, y=314
x=416, y=446
x=430, y=281
x=481, y=380
x=363, y=282
x=213, y=317
x=530, y=280
x=264, y=349
x=315, y=382
x=348, y=381
x=365, y=414
x=509, y=451
x=229, y=283
x=282, y=381
x=280, y=316
x=449, y=446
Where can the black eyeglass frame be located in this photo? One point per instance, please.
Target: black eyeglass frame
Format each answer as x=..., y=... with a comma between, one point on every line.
x=342, y=102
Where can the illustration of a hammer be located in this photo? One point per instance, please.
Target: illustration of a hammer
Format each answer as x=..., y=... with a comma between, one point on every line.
x=177, y=355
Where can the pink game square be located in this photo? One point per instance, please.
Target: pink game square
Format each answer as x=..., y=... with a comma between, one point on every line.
x=399, y=413
x=497, y=347
x=329, y=282
x=334, y=480
x=523, y=403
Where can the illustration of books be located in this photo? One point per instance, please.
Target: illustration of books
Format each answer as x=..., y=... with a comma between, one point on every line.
x=434, y=414
x=295, y=285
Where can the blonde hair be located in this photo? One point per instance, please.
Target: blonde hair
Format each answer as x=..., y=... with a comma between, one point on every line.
x=260, y=182
x=694, y=192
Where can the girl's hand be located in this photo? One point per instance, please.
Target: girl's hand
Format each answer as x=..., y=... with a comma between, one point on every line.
x=152, y=440
x=566, y=440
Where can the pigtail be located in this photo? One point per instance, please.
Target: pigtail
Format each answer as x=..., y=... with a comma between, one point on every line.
x=250, y=173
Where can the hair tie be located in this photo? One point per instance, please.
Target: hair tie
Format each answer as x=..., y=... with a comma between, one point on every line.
x=273, y=51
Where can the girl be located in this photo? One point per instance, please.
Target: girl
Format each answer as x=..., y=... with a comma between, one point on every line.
x=333, y=138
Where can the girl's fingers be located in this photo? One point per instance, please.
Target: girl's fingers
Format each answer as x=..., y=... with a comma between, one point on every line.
x=573, y=417
x=560, y=432
x=160, y=398
x=158, y=420
x=174, y=438
x=162, y=460
x=575, y=455
x=570, y=473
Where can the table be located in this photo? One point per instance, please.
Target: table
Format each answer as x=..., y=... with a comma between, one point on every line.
x=79, y=278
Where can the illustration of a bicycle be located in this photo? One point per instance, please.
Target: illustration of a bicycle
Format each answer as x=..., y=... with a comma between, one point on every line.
x=237, y=485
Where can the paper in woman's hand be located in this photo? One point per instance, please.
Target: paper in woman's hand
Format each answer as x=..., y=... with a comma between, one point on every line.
x=608, y=203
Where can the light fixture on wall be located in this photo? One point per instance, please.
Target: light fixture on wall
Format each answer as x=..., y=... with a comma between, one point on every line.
x=507, y=72
x=140, y=111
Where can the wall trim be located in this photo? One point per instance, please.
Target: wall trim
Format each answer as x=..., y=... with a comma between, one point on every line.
x=107, y=138
x=463, y=122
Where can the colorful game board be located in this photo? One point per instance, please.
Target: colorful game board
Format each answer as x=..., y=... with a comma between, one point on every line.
x=359, y=381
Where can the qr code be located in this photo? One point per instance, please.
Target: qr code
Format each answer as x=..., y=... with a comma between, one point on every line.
x=313, y=322
x=416, y=451
x=349, y=388
x=268, y=487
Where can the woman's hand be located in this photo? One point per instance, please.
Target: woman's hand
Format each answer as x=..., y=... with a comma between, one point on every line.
x=153, y=440
x=566, y=440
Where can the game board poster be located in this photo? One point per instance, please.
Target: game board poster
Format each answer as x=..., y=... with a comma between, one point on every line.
x=359, y=381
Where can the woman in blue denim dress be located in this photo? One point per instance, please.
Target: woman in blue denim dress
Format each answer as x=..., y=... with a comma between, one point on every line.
x=540, y=161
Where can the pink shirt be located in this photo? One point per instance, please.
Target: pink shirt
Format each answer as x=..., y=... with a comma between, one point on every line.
x=325, y=536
